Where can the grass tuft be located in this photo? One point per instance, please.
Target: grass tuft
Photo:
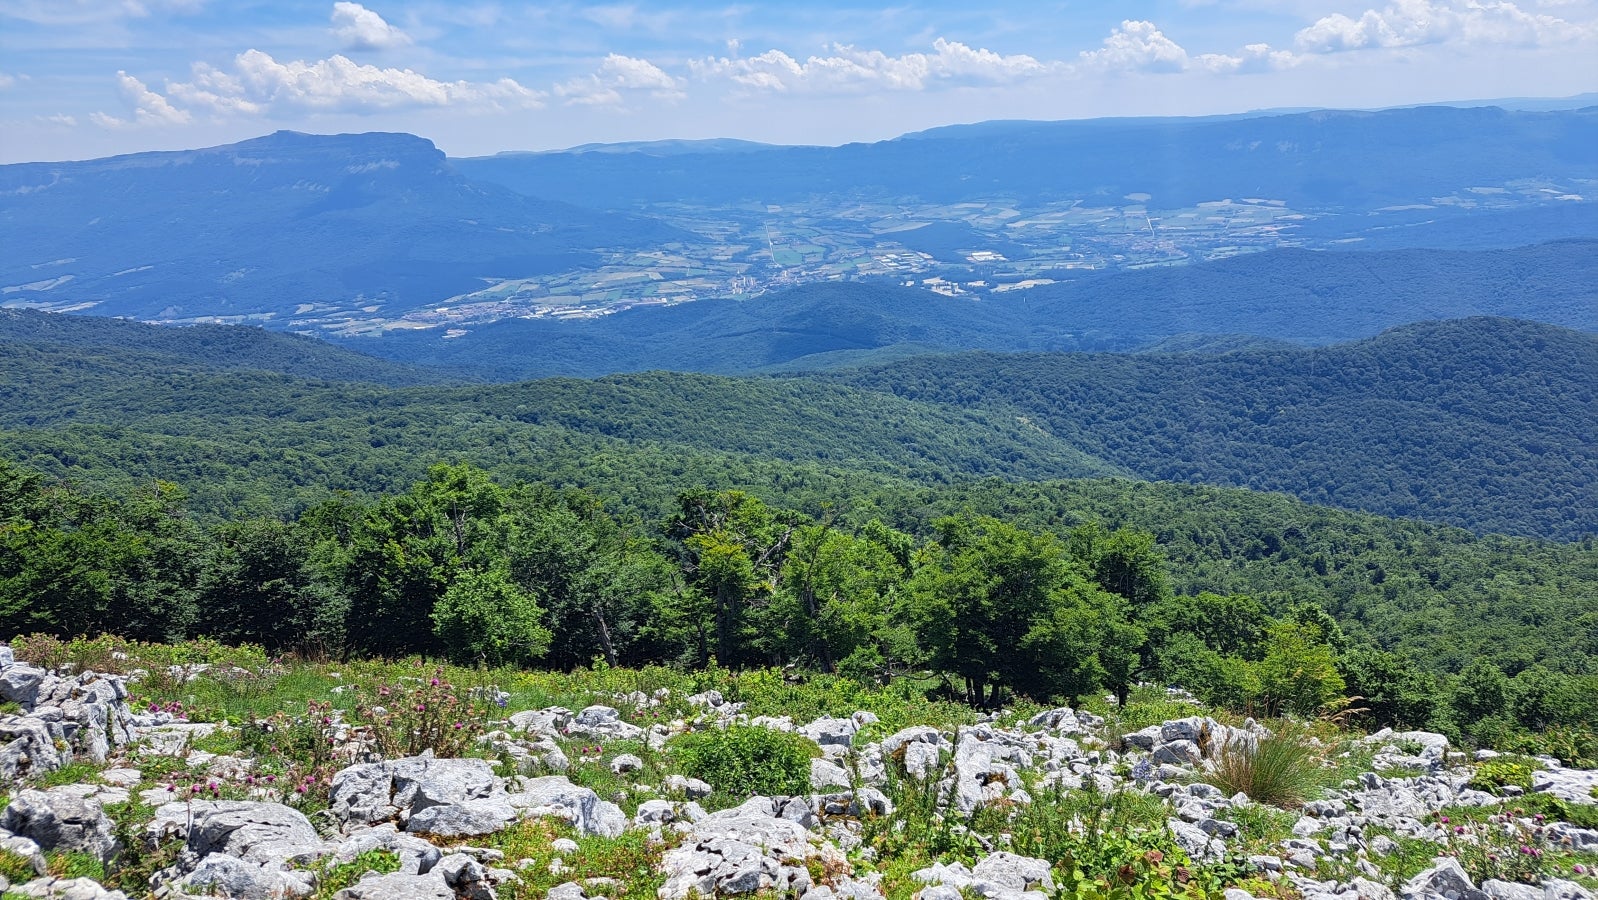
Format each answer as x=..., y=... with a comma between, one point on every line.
x=1283, y=770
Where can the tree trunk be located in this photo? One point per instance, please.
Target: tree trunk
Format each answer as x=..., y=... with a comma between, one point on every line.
x=604, y=633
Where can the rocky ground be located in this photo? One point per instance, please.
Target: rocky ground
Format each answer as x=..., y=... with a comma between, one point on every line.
x=434, y=827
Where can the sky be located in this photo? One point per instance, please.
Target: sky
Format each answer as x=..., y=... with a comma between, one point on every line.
x=89, y=78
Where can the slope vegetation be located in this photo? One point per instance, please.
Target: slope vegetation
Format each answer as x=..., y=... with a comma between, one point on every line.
x=1486, y=423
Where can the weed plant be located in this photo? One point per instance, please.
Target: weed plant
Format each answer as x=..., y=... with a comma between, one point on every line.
x=1510, y=846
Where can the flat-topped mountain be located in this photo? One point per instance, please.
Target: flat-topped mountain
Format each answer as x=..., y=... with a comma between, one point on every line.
x=291, y=230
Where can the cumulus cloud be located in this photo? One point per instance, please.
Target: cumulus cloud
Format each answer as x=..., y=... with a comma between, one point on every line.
x=358, y=28
x=1409, y=23
x=149, y=108
x=1252, y=58
x=1139, y=46
x=258, y=84
x=615, y=75
x=7, y=80
x=849, y=69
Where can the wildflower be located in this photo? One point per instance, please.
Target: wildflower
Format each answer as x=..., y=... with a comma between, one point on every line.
x=421, y=707
x=1153, y=857
x=1579, y=869
x=1459, y=829
x=1443, y=819
x=434, y=682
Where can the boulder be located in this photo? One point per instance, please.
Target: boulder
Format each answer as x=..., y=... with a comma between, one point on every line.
x=30, y=746
x=825, y=775
x=261, y=833
x=64, y=889
x=20, y=683
x=826, y=731
x=692, y=788
x=398, y=886
x=59, y=820
x=750, y=849
x=554, y=795
x=1012, y=872
x=220, y=875
x=469, y=819
x=1510, y=890
x=1445, y=879
x=394, y=790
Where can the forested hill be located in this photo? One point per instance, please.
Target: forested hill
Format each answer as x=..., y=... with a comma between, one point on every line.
x=1449, y=422
x=220, y=348
x=271, y=442
x=1486, y=423
x=1294, y=295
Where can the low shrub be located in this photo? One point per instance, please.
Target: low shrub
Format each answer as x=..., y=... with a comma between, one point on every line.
x=1494, y=775
x=744, y=761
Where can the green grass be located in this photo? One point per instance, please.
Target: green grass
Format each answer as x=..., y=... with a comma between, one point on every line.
x=633, y=860
x=16, y=868
x=334, y=877
x=80, y=771
x=75, y=865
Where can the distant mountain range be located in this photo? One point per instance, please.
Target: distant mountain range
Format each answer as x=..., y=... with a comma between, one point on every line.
x=1326, y=159
x=379, y=233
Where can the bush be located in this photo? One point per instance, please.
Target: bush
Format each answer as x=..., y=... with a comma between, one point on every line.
x=1283, y=770
x=1494, y=775
x=743, y=761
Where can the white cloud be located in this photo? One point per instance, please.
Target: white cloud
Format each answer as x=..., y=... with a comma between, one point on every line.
x=617, y=74
x=258, y=84
x=1409, y=23
x=149, y=108
x=849, y=69
x=358, y=28
x=1253, y=58
x=7, y=80
x=61, y=119
x=1139, y=46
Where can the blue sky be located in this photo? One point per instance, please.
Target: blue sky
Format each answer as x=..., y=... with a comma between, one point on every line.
x=86, y=78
